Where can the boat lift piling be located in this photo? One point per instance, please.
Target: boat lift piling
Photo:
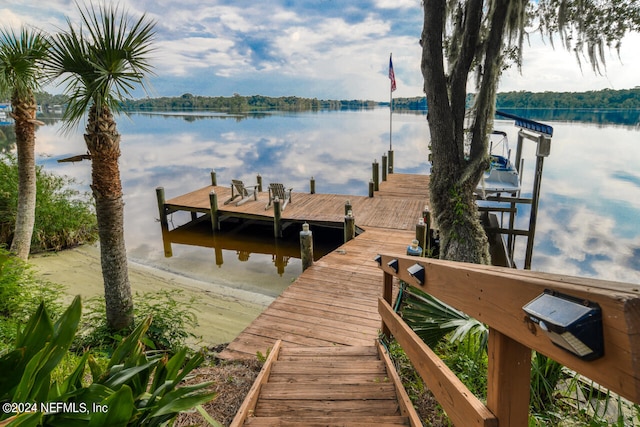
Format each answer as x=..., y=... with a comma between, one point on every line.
x=540, y=134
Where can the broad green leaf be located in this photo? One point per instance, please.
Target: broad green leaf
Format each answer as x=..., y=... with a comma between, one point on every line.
x=120, y=406
x=129, y=344
x=31, y=419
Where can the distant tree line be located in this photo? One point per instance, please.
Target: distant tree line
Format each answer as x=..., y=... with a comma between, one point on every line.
x=243, y=104
x=628, y=99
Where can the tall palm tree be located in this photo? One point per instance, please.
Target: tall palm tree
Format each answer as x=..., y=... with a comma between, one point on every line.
x=21, y=57
x=101, y=62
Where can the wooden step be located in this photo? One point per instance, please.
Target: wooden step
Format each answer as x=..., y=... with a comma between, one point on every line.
x=326, y=386
x=362, y=421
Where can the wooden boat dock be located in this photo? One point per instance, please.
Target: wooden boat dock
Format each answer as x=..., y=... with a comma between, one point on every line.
x=397, y=205
x=327, y=321
x=334, y=301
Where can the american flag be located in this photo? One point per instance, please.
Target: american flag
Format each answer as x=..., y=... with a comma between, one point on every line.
x=392, y=75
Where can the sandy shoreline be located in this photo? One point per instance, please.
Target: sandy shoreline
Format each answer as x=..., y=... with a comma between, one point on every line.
x=222, y=312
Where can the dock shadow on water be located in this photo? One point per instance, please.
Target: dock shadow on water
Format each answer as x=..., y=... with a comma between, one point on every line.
x=240, y=239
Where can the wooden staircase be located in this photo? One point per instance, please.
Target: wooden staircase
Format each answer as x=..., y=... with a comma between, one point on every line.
x=327, y=386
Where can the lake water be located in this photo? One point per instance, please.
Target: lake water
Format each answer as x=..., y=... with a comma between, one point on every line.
x=588, y=216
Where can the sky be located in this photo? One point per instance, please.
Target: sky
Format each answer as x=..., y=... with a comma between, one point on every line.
x=326, y=49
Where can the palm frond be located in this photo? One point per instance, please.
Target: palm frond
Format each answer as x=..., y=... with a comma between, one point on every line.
x=21, y=59
x=103, y=60
x=432, y=320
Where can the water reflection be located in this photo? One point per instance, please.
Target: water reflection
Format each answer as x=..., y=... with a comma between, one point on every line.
x=249, y=238
x=587, y=222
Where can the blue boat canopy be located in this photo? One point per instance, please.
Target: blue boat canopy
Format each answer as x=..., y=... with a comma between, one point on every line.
x=527, y=124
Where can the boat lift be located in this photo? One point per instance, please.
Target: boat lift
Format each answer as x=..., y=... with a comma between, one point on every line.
x=540, y=134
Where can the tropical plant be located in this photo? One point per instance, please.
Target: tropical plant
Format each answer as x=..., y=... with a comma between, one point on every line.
x=101, y=63
x=21, y=58
x=20, y=295
x=432, y=320
x=173, y=317
x=65, y=218
x=463, y=39
x=135, y=388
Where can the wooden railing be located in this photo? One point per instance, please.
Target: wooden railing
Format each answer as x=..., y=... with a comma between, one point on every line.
x=496, y=296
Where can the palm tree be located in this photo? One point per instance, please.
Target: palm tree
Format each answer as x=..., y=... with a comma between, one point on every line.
x=101, y=63
x=21, y=57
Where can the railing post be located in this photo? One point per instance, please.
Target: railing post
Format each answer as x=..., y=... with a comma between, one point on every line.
x=387, y=295
x=508, y=381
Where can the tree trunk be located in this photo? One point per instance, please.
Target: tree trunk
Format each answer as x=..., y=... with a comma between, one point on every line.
x=24, y=114
x=453, y=177
x=103, y=142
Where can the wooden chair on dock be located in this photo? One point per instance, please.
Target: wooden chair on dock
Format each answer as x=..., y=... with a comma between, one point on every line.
x=238, y=189
x=277, y=190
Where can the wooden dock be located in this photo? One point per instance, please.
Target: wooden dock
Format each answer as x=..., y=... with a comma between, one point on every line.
x=397, y=205
x=334, y=301
x=325, y=367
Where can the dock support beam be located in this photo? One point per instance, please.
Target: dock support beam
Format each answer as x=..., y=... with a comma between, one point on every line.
x=277, y=218
x=161, y=209
x=306, y=247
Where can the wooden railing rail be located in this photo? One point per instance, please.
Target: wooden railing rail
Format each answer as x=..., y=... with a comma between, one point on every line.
x=496, y=296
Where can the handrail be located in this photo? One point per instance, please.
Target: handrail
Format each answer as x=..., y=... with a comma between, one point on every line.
x=496, y=296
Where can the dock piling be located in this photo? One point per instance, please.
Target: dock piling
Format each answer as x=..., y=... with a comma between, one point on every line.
x=349, y=226
x=214, y=178
x=390, y=162
x=421, y=235
x=213, y=201
x=347, y=207
x=259, y=181
x=371, y=188
x=375, y=172
x=384, y=167
x=306, y=247
x=161, y=210
x=312, y=186
x=277, y=218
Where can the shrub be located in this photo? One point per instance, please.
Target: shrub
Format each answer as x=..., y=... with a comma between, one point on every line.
x=64, y=217
x=20, y=295
x=135, y=387
x=172, y=314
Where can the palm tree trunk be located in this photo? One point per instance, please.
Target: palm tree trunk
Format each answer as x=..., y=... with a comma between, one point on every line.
x=24, y=114
x=103, y=142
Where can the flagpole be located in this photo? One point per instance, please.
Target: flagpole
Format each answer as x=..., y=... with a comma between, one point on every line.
x=390, y=107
